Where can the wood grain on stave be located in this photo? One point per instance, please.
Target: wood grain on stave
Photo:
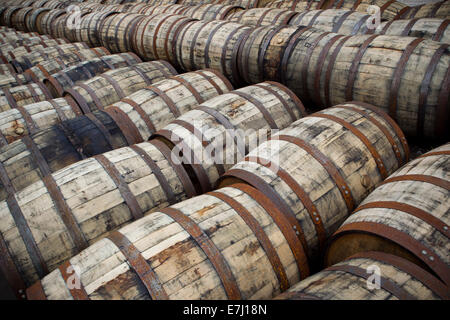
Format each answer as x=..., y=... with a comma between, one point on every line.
x=219, y=132
x=319, y=168
x=407, y=215
x=348, y=280
x=228, y=244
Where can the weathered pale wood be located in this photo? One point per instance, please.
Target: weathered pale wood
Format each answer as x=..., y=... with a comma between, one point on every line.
x=295, y=5
x=430, y=28
x=407, y=280
x=45, y=22
x=22, y=95
x=18, y=18
x=406, y=77
x=200, y=12
x=86, y=138
x=114, y=85
x=155, y=35
x=13, y=36
x=10, y=51
x=60, y=81
x=430, y=10
x=43, y=115
x=243, y=267
x=34, y=16
x=89, y=26
x=116, y=31
x=94, y=200
x=210, y=44
x=60, y=146
x=25, y=62
x=262, y=17
x=40, y=71
x=261, y=51
x=333, y=20
x=246, y=4
x=409, y=218
x=319, y=169
x=13, y=79
x=153, y=107
x=207, y=142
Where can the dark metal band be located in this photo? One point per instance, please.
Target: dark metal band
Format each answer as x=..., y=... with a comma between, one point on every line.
x=412, y=269
x=194, y=91
x=145, y=117
x=269, y=192
x=435, y=153
x=408, y=27
x=282, y=223
x=104, y=131
x=76, y=293
x=341, y=20
x=425, y=87
x=122, y=186
x=441, y=183
x=387, y=284
x=167, y=100
x=389, y=120
x=260, y=235
x=125, y=124
x=62, y=207
x=411, y=210
x=397, y=76
x=209, y=248
x=403, y=239
x=352, y=73
x=327, y=164
x=373, y=151
x=382, y=128
x=22, y=226
x=302, y=195
x=138, y=263
x=258, y=104
x=178, y=168
x=171, y=199
x=36, y=292
x=440, y=31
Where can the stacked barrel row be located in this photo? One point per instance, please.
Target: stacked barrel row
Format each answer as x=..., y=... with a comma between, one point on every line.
x=265, y=226
x=408, y=76
x=401, y=228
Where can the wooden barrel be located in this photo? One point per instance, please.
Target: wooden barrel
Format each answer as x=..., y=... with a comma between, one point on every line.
x=295, y=5
x=211, y=11
x=429, y=28
x=210, y=44
x=39, y=3
x=138, y=7
x=58, y=82
x=407, y=215
x=40, y=71
x=114, y=85
x=89, y=26
x=6, y=69
x=22, y=95
x=155, y=35
x=34, y=17
x=262, y=17
x=56, y=4
x=8, y=14
x=45, y=24
x=152, y=108
x=116, y=31
x=405, y=76
x=167, y=8
x=246, y=4
x=12, y=79
x=19, y=122
x=321, y=167
x=239, y=243
x=25, y=62
x=399, y=279
x=11, y=52
x=246, y=115
x=18, y=18
x=261, y=51
x=333, y=20
x=389, y=10
x=439, y=10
